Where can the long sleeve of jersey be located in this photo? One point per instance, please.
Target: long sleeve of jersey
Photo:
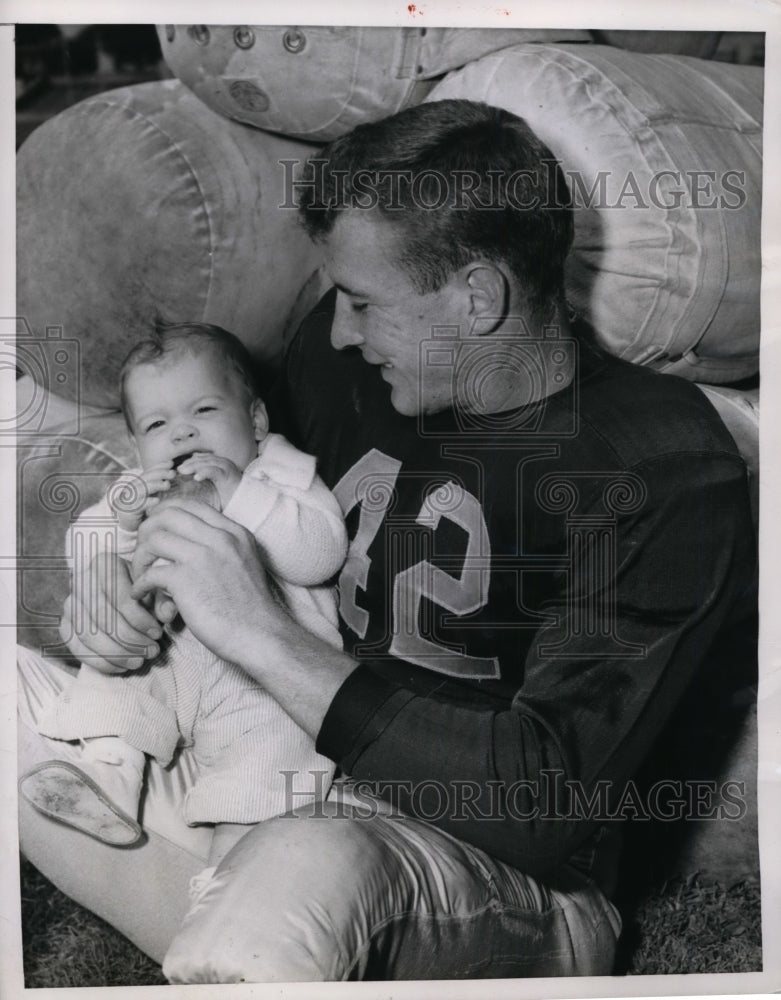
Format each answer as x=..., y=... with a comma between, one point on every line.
x=592, y=700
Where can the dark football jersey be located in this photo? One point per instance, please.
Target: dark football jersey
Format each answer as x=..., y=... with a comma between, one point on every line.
x=525, y=590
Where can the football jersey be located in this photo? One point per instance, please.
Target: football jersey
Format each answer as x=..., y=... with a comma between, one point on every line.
x=528, y=590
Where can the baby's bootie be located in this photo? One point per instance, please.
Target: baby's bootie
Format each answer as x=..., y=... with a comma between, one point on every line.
x=98, y=796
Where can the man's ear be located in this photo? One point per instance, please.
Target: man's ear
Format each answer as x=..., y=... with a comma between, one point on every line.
x=259, y=418
x=488, y=290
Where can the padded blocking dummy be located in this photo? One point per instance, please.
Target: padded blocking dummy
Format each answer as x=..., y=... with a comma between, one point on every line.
x=318, y=83
x=663, y=157
x=142, y=203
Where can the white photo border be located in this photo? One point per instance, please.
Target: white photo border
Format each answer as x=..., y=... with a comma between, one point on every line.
x=728, y=15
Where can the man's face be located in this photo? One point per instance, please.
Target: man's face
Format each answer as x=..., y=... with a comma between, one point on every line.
x=187, y=404
x=379, y=311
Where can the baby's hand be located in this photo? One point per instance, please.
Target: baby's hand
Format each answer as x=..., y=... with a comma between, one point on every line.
x=134, y=494
x=225, y=475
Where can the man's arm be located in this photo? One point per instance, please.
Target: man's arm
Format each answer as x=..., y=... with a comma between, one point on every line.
x=591, y=703
x=216, y=576
x=584, y=716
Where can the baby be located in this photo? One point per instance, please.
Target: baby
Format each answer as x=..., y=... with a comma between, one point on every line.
x=190, y=403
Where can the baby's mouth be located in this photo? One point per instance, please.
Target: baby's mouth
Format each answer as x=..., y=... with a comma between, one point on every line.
x=181, y=459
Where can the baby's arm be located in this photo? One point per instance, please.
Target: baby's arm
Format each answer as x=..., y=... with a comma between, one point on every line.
x=299, y=528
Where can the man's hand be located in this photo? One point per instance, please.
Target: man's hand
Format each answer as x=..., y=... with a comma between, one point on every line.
x=225, y=475
x=102, y=624
x=212, y=569
x=215, y=575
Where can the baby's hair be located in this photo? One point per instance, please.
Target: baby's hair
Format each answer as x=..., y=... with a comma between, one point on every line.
x=170, y=340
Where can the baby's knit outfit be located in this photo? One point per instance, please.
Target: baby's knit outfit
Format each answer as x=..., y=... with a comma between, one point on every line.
x=250, y=753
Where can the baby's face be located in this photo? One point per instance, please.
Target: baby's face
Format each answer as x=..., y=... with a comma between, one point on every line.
x=191, y=403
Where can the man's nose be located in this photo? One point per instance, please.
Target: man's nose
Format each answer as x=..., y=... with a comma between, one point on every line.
x=344, y=329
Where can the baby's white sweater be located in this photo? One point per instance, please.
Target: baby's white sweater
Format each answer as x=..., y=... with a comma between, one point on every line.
x=299, y=528
x=295, y=519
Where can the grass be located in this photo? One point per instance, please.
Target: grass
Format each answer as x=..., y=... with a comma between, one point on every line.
x=65, y=945
x=693, y=926
x=686, y=926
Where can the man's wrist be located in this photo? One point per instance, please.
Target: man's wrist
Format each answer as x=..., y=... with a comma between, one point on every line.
x=299, y=669
x=360, y=710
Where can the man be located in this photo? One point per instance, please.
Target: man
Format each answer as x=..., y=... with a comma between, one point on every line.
x=545, y=542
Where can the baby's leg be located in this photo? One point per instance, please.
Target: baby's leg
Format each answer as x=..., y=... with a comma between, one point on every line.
x=225, y=837
x=97, y=793
x=99, y=789
x=255, y=762
x=141, y=891
x=134, y=706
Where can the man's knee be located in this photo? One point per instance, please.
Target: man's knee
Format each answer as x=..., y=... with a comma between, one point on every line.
x=291, y=903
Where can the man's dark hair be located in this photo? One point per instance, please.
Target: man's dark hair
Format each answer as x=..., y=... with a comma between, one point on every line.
x=415, y=168
x=171, y=340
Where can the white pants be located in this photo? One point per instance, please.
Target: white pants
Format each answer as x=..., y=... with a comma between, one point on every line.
x=314, y=896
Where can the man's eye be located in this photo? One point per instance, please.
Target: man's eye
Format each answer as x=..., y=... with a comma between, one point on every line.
x=358, y=307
